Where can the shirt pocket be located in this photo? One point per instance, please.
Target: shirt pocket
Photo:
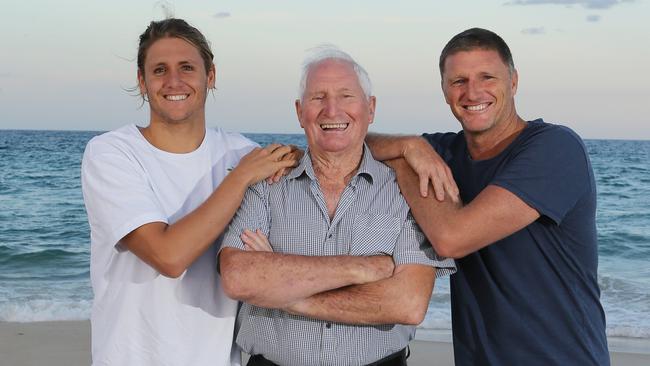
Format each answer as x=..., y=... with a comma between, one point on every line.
x=374, y=234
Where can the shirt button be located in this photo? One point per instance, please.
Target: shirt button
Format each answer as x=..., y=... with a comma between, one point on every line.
x=328, y=325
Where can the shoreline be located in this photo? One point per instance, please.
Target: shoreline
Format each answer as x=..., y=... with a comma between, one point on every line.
x=65, y=343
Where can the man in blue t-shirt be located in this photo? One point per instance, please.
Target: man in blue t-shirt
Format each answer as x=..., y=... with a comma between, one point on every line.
x=524, y=236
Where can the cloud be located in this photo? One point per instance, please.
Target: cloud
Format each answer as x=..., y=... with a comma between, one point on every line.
x=590, y=4
x=222, y=14
x=166, y=7
x=534, y=31
x=593, y=18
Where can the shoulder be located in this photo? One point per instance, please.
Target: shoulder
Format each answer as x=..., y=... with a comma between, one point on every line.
x=229, y=140
x=552, y=137
x=120, y=141
x=443, y=139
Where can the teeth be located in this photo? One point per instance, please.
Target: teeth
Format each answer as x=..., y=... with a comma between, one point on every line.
x=327, y=126
x=176, y=97
x=479, y=107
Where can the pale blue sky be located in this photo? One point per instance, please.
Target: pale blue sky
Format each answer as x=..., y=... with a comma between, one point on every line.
x=582, y=63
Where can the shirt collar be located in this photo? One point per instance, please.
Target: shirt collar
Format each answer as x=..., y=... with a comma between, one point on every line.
x=369, y=167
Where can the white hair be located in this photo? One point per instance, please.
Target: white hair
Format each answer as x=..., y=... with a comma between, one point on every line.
x=330, y=52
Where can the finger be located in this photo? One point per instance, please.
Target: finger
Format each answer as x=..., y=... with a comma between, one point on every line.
x=453, y=187
x=272, y=147
x=280, y=152
x=247, y=240
x=438, y=189
x=424, y=185
x=262, y=237
x=264, y=241
x=251, y=240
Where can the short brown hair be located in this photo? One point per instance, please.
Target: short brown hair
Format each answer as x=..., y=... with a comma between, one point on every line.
x=476, y=38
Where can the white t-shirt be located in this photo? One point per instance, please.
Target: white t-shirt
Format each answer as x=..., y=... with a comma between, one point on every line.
x=140, y=317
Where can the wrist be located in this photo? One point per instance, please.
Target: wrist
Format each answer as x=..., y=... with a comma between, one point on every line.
x=412, y=145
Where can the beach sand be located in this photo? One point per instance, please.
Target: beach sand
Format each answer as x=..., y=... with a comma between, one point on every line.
x=67, y=343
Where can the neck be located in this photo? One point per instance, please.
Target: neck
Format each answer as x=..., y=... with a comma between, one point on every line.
x=488, y=144
x=179, y=138
x=336, y=167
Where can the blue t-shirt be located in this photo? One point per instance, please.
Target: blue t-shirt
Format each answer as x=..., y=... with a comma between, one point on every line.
x=531, y=298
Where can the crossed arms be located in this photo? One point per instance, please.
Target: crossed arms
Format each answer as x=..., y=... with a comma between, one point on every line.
x=346, y=289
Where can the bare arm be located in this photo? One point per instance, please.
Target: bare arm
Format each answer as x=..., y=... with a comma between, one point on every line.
x=421, y=157
x=170, y=249
x=275, y=280
x=401, y=299
x=455, y=230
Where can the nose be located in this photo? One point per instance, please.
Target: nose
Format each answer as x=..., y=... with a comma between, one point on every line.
x=172, y=78
x=473, y=89
x=330, y=109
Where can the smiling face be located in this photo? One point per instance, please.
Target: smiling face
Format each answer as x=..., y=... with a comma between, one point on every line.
x=480, y=88
x=334, y=111
x=175, y=82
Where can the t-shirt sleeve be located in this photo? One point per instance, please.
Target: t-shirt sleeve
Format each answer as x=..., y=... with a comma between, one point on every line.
x=550, y=172
x=252, y=214
x=412, y=247
x=116, y=192
x=441, y=142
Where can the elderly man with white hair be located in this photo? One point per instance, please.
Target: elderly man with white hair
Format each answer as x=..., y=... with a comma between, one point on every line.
x=329, y=263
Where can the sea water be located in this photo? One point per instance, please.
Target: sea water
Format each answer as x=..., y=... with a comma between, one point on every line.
x=44, y=237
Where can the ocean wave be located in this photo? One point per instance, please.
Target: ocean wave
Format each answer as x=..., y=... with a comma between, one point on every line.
x=45, y=310
x=48, y=257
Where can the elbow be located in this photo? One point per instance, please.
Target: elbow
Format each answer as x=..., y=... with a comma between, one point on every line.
x=446, y=244
x=231, y=277
x=413, y=315
x=170, y=269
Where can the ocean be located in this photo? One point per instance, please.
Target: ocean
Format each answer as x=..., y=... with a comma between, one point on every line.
x=44, y=237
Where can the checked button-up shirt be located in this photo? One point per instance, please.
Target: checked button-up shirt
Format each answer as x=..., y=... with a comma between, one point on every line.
x=372, y=218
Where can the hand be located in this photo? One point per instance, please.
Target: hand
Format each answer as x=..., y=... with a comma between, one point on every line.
x=429, y=166
x=295, y=154
x=375, y=268
x=256, y=241
x=262, y=163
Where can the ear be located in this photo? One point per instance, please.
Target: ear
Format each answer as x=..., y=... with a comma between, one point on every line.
x=515, y=81
x=212, y=76
x=141, y=84
x=444, y=90
x=373, y=104
x=299, y=112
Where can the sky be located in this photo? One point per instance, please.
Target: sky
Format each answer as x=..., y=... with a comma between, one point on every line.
x=67, y=65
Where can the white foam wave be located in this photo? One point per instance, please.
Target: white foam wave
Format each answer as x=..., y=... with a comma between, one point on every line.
x=45, y=310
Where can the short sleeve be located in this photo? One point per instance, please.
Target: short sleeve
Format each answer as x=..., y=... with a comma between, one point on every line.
x=412, y=247
x=116, y=192
x=252, y=214
x=550, y=172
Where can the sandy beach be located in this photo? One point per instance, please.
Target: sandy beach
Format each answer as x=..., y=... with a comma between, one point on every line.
x=67, y=343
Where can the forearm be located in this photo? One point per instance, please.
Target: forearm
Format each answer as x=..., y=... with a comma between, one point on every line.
x=386, y=147
x=275, y=280
x=171, y=249
x=455, y=230
x=401, y=299
x=437, y=219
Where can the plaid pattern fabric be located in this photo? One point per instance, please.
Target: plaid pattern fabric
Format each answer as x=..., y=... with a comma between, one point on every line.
x=372, y=217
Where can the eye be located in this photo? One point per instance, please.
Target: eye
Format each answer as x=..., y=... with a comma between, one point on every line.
x=458, y=82
x=159, y=70
x=348, y=96
x=317, y=97
x=187, y=67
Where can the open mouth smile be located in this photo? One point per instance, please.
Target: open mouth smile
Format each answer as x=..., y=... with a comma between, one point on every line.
x=334, y=126
x=176, y=97
x=477, y=107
